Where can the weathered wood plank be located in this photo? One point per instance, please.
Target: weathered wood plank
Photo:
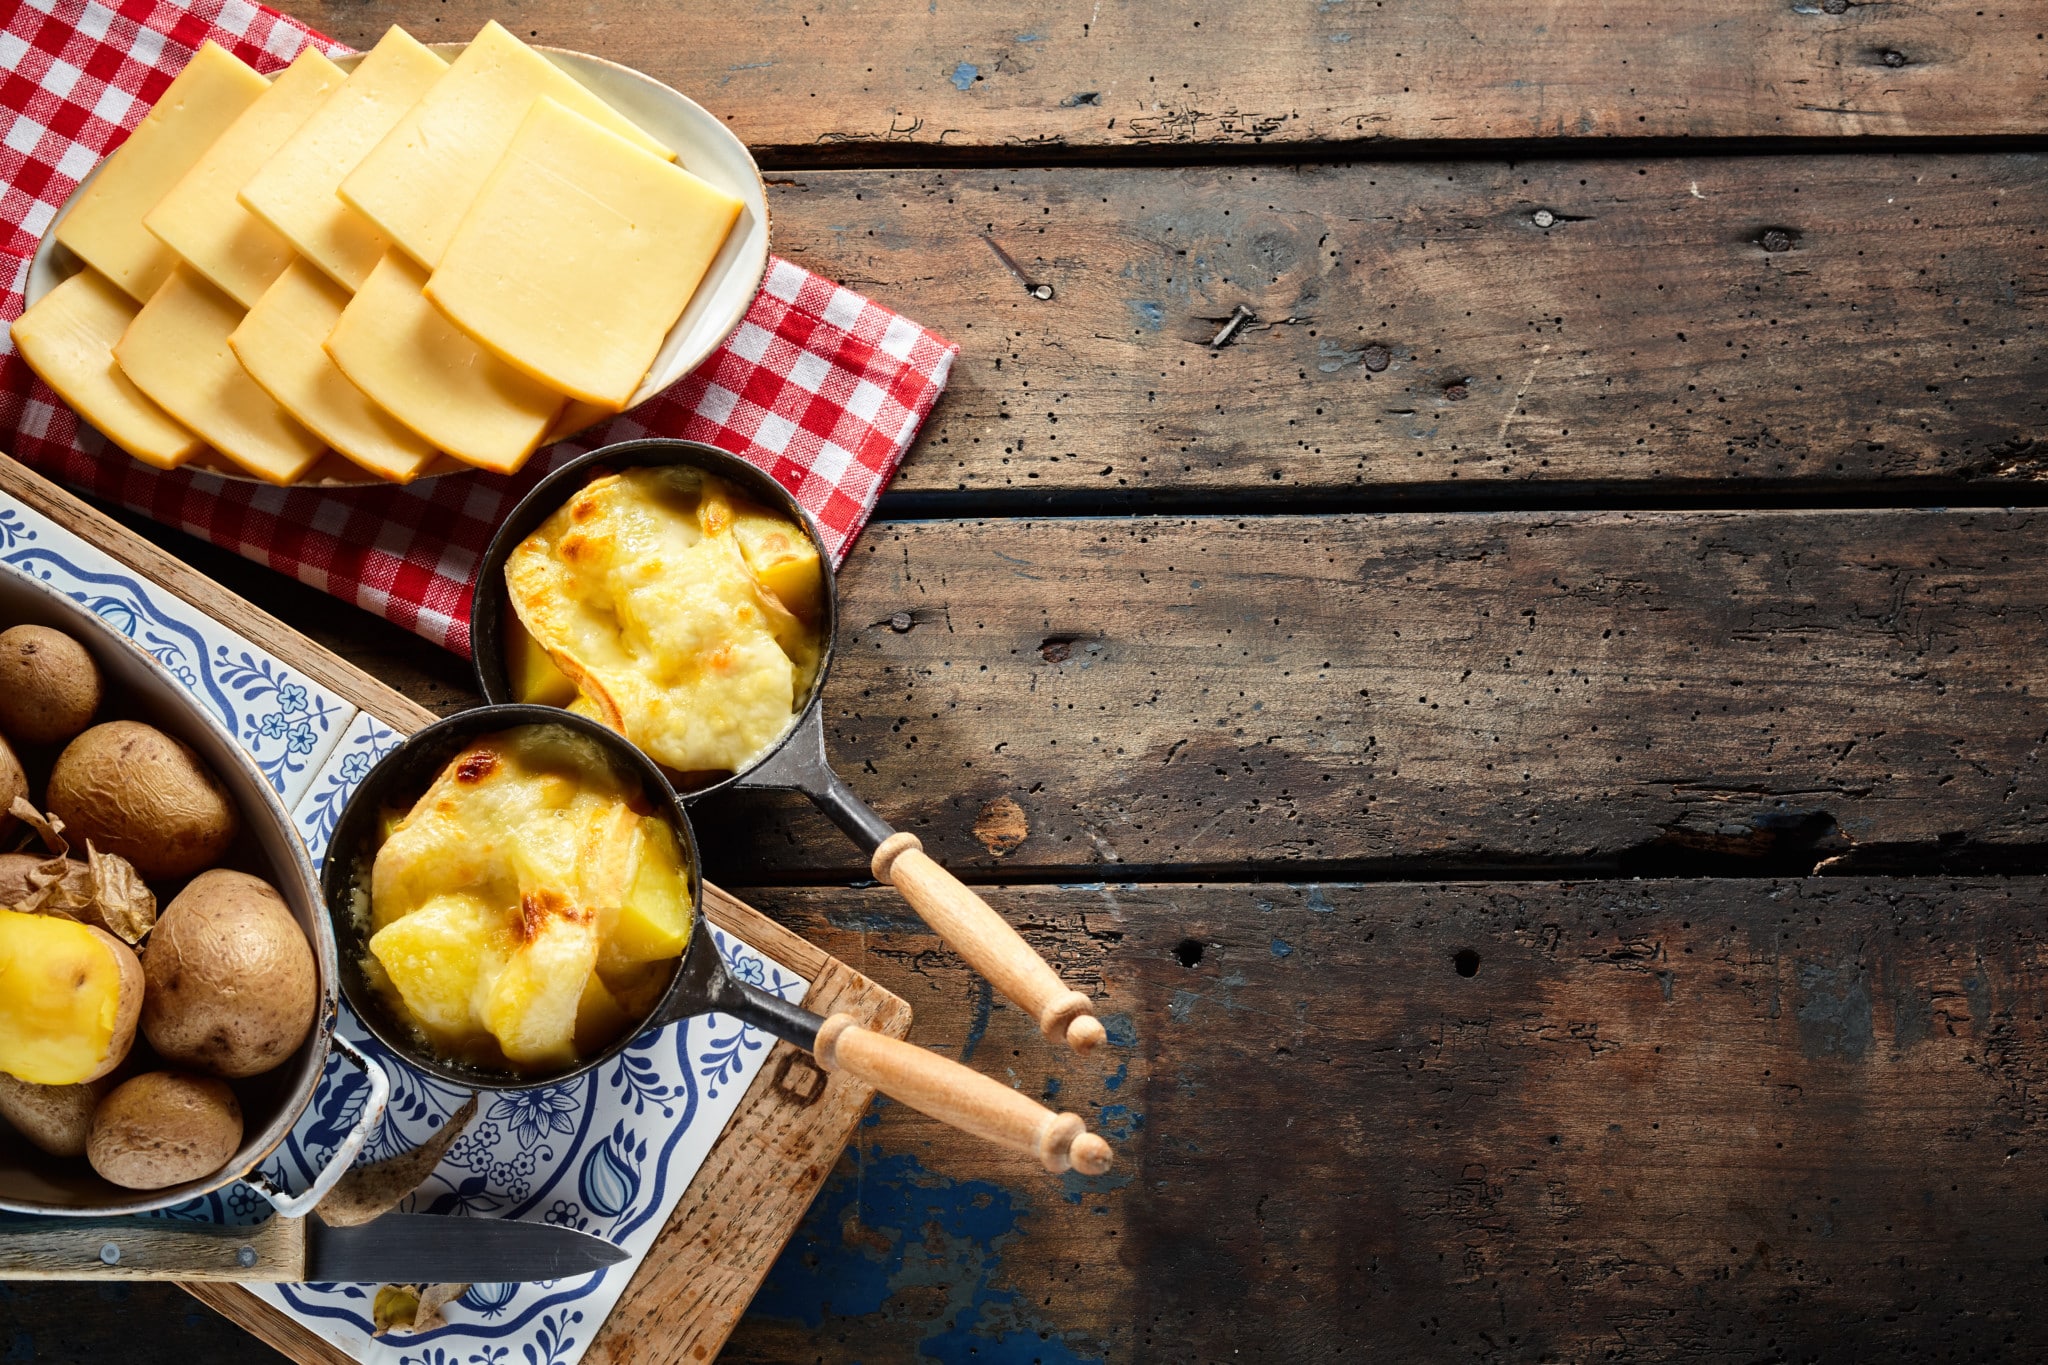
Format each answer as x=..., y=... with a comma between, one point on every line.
x=1399, y=691
x=1416, y=333
x=1720, y=1121
x=842, y=78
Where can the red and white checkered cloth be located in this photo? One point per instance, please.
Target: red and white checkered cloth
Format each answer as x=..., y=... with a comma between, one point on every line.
x=819, y=386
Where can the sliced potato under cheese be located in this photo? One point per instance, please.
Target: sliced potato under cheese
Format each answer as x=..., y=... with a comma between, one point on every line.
x=281, y=344
x=418, y=366
x=418, y=181
x=579, y=254
x=491, y=899
x=104, y=227
x=177, y=352
x=201, y=219
x=294, y=191
x=68, y=338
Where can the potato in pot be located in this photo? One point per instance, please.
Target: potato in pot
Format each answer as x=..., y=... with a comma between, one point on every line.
x=55, y=1118
x=164, y=1128
x=131, y=789
x=70, y=996
x=49, y=685
x=232, y=986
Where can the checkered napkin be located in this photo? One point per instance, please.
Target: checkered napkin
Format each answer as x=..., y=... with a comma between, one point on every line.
x=819, y=386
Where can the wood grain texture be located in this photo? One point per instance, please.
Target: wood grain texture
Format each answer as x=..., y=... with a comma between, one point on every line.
x=1621, y=691
x=802, y=83
x=1717, y=1121
x=1414, y=332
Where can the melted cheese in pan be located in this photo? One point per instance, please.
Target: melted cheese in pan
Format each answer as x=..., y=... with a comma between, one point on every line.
x=517, y=889
x=640, y=591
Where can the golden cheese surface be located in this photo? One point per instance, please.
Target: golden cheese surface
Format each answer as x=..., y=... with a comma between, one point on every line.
x=639, y=590
x=523, y=873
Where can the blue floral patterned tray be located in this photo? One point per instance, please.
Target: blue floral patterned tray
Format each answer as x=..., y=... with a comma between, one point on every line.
x=610, y=1154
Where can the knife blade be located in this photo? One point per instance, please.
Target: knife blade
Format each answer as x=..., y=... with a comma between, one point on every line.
x=398, y=1248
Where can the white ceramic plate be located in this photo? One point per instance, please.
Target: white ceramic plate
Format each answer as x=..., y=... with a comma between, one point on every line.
x=704, y=146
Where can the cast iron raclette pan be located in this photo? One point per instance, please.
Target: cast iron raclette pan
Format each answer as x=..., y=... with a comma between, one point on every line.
x=935, y=1085
x=797, y=761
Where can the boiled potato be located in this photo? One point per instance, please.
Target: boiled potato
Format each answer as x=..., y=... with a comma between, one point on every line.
x=70, y=995
x=55, y=1118
x=49, y=685
x=164, y=1128
x=13, y=787
x=133, y=790
x=535, y=678
x=652, y=924
x=232, y=985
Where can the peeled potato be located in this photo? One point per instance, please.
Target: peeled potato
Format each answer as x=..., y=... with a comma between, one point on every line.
x=232, y=985
x=70, y=996
x=55, y=1118
x=133, y=790
x=49, y=685
x=164, y=1128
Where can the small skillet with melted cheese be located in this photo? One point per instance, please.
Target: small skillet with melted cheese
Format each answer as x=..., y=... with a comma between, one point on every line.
x=498, y=868
x=654, y=612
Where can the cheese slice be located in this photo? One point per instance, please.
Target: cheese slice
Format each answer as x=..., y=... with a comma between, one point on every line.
x=200, y=218
x=104, y=227
x=280, y=344
x=417, y=366
x=68, y=338
x=177, y=352
x=416, y=183
x=294, y=191
x=579, y=254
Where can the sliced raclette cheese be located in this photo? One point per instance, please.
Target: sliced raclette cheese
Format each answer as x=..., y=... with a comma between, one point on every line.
x=294, y=191
x=104, y=227
x=579, y=254
x=68, y=338
x=397, y=348
x=280, y=344
x=200, y=218
x=177, y=352
x=416, y=184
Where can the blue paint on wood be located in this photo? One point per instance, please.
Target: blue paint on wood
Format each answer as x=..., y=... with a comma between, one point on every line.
x=965, y=75
x=984, y=1003
x=886, y=1224
x=1151, y=317
x=1282, y=948
x=1122, y=1032
x=1116, y=1081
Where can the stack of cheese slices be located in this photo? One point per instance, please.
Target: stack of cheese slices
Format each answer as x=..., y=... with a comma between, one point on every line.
x=418, y=265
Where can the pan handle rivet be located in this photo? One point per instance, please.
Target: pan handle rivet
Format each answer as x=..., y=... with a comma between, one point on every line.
x=110, y=1254
x=246, y=1257
x=901, y=622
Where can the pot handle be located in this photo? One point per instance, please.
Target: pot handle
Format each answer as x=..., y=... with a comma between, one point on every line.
x=963, y=1098
x=972, y=928
x=299, y=1205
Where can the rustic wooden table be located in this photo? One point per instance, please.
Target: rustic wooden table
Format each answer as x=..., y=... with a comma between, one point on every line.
x=1532, y=734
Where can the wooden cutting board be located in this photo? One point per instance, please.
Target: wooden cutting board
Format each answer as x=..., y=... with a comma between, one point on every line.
x=764, y=1169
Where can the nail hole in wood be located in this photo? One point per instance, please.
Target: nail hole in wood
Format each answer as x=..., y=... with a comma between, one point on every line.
x=1466, y=962
x=1188, y=952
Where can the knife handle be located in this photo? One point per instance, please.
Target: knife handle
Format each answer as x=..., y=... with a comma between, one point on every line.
x=960, y=1096
x=138, y=1249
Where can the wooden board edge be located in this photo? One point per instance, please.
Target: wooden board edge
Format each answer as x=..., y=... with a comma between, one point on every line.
x=259, y=626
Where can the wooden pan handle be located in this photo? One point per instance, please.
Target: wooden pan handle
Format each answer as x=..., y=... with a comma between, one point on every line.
x=987, y=942
x=957, y=1095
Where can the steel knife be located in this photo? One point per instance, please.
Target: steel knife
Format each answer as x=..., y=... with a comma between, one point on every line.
x=398, y=1248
